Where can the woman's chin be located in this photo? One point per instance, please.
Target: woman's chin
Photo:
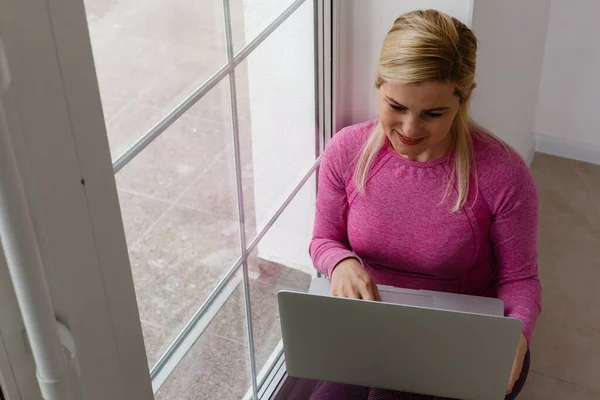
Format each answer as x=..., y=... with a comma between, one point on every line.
x=410, y=152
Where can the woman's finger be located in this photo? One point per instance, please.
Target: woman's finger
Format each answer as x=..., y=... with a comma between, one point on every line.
x=518, y=362
x=350, y=292
x=370, y=292
x=356, y=293
x=511, y=384
x=514, y=374
x=366, y=293
x=377, y=295
x=372, y=287
x=335, y=291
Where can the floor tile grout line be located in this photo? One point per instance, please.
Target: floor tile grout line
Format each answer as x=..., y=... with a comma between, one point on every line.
x=147, y=89
x=152, y=324
x=204, y=213
x=228, y=339
x=131, y=102
x=562, y=380
x=114, y=120
x=145, y=196
x=172, y=206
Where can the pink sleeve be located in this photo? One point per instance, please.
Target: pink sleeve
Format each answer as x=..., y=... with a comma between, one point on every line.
x=513, y=235
x=329, y=244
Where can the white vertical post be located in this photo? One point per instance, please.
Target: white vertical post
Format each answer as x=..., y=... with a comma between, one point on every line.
x=17, y=237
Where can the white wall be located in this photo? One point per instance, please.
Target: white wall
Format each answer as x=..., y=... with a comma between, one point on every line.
x=282, y=105
x=511, y=37
x=363, y=26
x=567, y=117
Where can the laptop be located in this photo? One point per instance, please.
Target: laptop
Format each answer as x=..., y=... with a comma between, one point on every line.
x=416, y=341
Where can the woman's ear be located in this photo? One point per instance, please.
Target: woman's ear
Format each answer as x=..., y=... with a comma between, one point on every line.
x=467, y=95
x=473, y=86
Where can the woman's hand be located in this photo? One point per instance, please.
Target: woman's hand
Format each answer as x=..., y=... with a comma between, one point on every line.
x=518, y=363
x=349, y=279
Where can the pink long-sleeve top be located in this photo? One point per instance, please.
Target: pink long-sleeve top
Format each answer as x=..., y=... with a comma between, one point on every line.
x=405, y=234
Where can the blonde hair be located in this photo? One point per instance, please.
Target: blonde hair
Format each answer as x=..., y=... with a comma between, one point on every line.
x=428, y=45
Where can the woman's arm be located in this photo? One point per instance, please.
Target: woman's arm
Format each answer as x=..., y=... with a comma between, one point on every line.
x=329, y=245
x=513, y=235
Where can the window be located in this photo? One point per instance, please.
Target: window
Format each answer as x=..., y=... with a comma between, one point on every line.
x=212, y=113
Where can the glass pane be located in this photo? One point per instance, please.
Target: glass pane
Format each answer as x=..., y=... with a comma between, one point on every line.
x=250, y=17
x=224, y=199
x=182, y=236
x=217, y=366
x=276, y=102
x=280, y=262
x=149, y=56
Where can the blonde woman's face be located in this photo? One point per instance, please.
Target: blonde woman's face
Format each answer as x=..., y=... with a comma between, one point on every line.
x=417, y=118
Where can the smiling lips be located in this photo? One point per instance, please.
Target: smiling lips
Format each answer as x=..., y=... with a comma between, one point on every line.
x=409, y=141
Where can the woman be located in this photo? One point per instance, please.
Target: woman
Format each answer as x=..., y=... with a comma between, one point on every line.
x=423, y=198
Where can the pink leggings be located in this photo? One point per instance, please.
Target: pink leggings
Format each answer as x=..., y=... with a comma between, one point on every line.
x=339, y=391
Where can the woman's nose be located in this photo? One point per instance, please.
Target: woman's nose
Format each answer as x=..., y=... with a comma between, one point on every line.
x=411, y=126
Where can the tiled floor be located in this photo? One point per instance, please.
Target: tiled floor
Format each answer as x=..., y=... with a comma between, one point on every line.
x=178, y=196
x=566, y=343
x=179, y=207
x=217, y=365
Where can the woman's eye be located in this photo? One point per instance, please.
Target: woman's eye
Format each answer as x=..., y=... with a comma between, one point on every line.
x=397, y=108
x=432, y=115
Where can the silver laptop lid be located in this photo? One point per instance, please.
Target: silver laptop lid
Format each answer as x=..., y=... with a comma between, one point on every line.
x=413, y=349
